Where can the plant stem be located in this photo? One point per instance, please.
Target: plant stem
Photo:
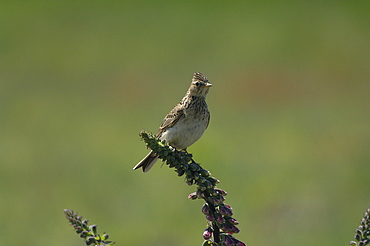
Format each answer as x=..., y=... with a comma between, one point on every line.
x=216, y=230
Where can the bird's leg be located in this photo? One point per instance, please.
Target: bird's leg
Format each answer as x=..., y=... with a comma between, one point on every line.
x=192, y=160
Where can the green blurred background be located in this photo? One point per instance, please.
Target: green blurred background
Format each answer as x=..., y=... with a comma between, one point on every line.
x=289, y=132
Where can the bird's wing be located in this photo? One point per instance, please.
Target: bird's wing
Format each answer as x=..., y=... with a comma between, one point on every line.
x=209, y=118
x=176, y=114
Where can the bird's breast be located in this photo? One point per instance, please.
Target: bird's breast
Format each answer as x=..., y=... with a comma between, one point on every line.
x=186, y=131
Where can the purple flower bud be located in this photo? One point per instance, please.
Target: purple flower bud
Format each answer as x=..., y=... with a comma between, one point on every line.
x=193, y=196
x=239, y=243
x=228, y=228
x=207, y=234
x=219, y=219
x=234, y=229
x=233, y=221
x=210, y=217
x=213, y=192
x=224, y=227
x=217, y=200
x=222, y=192
x=225, y=210
x=229, y=241
x=205, y=209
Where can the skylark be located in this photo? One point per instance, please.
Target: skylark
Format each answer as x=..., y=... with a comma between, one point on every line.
x=186, y=122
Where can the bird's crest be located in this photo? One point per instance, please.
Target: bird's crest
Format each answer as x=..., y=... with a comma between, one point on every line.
x=199, y=77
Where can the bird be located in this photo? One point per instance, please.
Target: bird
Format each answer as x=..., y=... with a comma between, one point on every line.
x=186, y=122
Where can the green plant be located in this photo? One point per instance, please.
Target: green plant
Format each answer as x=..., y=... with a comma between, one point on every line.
x=221, y=224
x=362, y=235
x=88, y=233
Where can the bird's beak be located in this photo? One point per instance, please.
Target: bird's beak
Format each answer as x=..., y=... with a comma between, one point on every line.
x=208, y=85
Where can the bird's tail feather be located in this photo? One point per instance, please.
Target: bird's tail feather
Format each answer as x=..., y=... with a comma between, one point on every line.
x=148, y=162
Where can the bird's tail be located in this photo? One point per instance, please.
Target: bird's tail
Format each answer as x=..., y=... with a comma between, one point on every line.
x=148, y=162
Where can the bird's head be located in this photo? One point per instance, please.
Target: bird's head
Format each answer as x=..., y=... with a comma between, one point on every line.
x=199, y=85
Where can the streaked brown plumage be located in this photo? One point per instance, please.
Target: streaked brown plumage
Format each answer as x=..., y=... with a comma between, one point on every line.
x=186, y=122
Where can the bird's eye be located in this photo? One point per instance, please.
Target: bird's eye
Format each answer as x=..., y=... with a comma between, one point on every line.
x=197, y=83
